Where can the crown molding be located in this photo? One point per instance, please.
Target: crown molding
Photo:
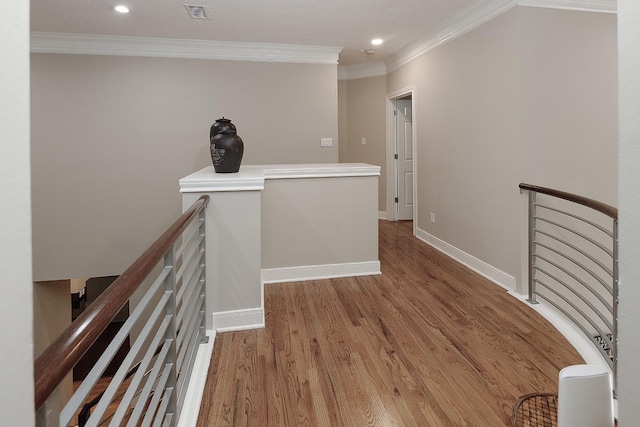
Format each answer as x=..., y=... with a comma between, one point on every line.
x=360, y=71
x=462, y=22
x=90, y=44
x=481, y=12
x=607, y=6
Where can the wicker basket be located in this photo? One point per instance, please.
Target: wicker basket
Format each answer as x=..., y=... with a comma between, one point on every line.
x=536, y=410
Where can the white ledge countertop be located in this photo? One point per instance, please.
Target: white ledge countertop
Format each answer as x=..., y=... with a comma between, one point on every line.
x=251, y=177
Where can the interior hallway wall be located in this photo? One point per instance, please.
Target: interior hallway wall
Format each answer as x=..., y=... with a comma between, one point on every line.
x=467, y=141
x=528, y=96
x=51, y=315
x=111, y=137
x=569, y=95
x=343, y=122
x=365, y=111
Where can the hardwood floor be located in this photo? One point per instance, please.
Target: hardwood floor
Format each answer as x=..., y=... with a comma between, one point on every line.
x=427, y=343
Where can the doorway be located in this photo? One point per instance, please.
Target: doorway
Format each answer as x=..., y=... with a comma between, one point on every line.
x=401, y=155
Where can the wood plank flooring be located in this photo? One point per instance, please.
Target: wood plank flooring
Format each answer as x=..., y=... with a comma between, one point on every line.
x=427, y=343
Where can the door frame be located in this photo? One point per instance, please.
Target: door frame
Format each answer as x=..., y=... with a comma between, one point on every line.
x=392, y=167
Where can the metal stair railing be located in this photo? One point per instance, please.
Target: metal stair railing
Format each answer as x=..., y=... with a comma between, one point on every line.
x=573, y=263
x=165, y=328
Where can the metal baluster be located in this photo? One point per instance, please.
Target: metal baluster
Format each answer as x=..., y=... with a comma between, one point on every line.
x=203, y=290
x=614, y=340
x=170, y=310
x=532, y=228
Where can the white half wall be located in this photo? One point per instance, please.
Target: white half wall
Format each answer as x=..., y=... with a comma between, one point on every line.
x=319, y=221
x=234, y=286
x=279, y=223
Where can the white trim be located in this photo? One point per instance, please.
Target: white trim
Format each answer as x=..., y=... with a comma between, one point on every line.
x=93, y=44
x=466, y=20
x=343, y=72
x=238, y=185
x=462, y=22
x=583, y=345
x=195, y=389
x=497, y=276
x=251, y=177
x=238, y=320
x=392, y=212
x=391, y=178
x=469, y=18
x=382, y=214
x=328, y=170
x=407, y=90
x=603, y=6
x=318, y=272
x=361, y=71
x=207, y=180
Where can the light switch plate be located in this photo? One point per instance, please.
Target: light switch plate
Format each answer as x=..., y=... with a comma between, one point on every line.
x=326, y=142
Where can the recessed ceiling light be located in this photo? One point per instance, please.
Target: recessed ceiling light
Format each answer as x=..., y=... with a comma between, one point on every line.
x=376, y=41
x=121, y=8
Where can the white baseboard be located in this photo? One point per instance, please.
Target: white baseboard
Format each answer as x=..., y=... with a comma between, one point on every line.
x=583, y=345
x=499, y=277
x=318, y=272
x=382, y=214
x=238, y=320
x=195, y=388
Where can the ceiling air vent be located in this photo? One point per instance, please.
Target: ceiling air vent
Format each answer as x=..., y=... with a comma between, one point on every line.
x=196, y=12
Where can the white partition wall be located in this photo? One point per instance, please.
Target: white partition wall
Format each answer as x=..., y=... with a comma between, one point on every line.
x=234, y=287
x=319, y=221
x=282, y=223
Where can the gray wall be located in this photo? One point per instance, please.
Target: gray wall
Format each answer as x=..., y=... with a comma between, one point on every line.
x=528, y=96
x=51, y=315
x=569, y=121
x=319, y=221
x=111, y=136
x=366, y=118
x=467, y=140
x=16, y=304
x=343, y=122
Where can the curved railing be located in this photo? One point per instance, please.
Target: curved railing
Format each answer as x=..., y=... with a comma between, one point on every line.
x=603, y=208
x=170, y=315
x=573, y=262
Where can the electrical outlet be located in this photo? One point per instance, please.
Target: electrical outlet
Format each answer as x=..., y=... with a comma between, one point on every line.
x=326, y=142
x=433, y=218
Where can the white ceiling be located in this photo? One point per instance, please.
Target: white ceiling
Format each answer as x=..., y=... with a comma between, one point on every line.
x=350, y=24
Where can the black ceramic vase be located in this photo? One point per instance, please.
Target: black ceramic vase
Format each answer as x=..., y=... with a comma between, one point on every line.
x=226, y=146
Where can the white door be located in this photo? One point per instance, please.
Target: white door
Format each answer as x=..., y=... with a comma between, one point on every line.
x=404, y=162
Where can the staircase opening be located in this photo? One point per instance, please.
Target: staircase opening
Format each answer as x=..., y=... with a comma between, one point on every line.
x=82, y=299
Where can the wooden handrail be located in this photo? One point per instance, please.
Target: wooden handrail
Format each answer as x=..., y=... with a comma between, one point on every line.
x=67, y=350
x=590, y=203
